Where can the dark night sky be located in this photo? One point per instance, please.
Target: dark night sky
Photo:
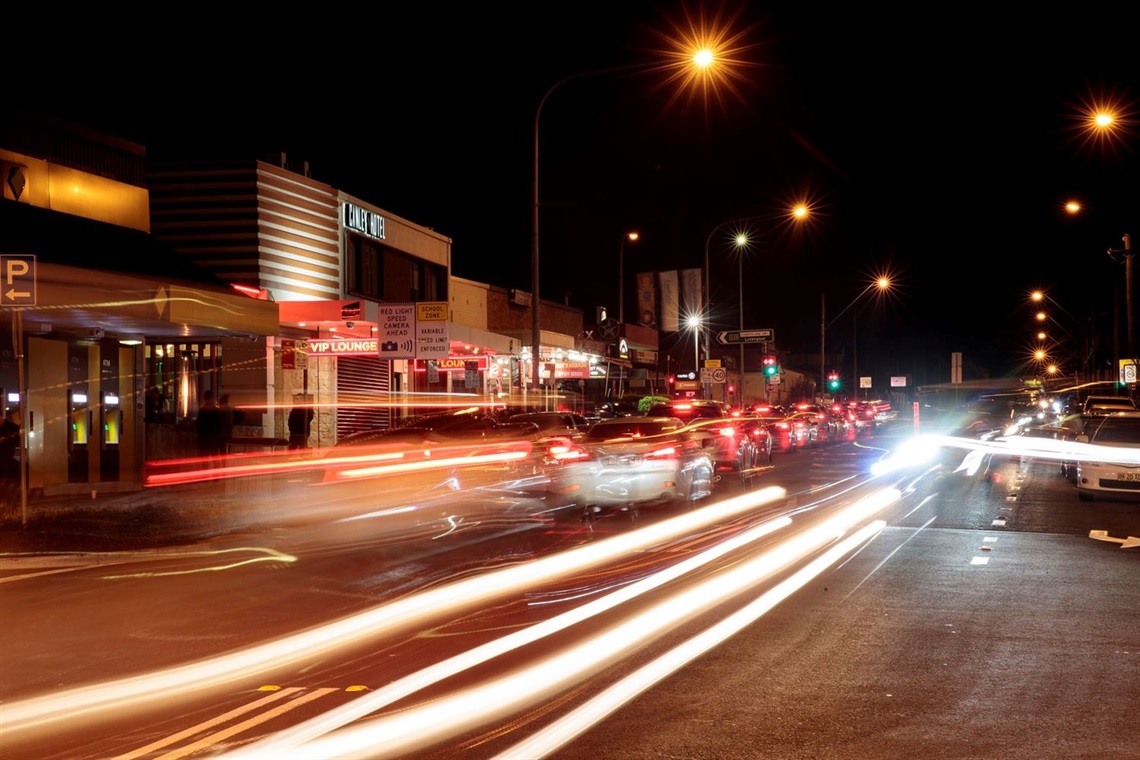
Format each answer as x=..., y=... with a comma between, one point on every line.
x=937, y=148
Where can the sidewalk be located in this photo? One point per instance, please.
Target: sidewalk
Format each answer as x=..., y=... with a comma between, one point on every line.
x=112, y=522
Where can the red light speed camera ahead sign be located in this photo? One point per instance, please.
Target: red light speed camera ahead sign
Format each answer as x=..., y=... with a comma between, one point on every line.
x=18, y=280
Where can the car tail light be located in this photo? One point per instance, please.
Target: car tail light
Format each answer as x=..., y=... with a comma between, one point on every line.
x=727, y=432
x=562, y=450
x=665, y=452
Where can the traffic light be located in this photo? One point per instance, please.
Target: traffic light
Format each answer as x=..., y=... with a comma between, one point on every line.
x=771, y=368
x=833, y=381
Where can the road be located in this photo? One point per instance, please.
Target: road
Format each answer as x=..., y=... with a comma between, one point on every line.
x=962, y=614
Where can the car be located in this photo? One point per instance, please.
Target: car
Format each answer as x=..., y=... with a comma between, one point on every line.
x=818, y=421
x=623, y=463
x=1109, y=464
x=1100, y=405
x=738, y=443
x=787, y=433
x=567, y=424
x=471, y=424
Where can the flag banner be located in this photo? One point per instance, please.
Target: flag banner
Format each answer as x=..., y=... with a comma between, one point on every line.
x=646, y=300
x=670, y=301
x=691, y=292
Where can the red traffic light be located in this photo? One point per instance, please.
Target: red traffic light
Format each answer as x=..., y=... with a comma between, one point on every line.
x=768, y=361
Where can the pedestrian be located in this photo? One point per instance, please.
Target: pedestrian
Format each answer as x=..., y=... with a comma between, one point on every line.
x=300, y=417
x=9, y=466
x=210, y=427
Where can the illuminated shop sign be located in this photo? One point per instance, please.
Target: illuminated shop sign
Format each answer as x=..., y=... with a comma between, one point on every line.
x=342, y=347
x=454, y=363
x=363, y=221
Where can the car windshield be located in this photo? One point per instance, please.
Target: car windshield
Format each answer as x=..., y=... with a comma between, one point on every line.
x=630, y=428
x=1116, y=430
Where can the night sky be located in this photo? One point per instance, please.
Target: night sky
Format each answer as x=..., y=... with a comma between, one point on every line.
x=937, y=148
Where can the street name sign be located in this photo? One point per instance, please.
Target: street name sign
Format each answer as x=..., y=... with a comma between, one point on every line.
x=733, y=337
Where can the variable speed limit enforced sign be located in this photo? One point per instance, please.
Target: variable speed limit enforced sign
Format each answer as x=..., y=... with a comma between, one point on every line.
x=18, y=280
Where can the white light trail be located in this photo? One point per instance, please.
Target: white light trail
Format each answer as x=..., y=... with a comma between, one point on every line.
x=134, y=691
x=419, y=727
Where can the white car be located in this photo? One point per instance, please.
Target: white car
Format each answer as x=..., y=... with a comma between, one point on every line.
x=1108, y=462
x=626, y=462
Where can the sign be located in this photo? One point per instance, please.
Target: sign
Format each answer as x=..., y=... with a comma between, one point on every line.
x=733, y=337
x=395, y=330
x=898, y=381
x=433, y=339
x=688, y=385
x=363, y=221
x=1128, y=371
x=864, y=382
x=455, y=363
x=712, y=363
x=288, y=354
x=686, y=376
x=336, y=347
x=18, y=280
x=719, y=375
x=609, y=329
x=471, y=374
x=432, y=372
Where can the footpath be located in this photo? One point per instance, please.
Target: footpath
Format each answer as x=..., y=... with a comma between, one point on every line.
x=109, y=522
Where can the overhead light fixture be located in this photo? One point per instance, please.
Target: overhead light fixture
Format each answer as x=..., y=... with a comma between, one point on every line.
x=130, y=339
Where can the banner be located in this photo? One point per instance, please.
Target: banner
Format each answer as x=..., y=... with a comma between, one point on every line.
x=670, y=301
x=646, y=300
x=691, y=292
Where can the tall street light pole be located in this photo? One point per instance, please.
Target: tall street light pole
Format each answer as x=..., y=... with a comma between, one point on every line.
x=740, y=240
x=882, y=283
x=700, y=59
x=632, y=237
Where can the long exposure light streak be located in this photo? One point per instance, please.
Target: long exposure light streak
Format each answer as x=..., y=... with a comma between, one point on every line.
x=271, y=749
x=419, y=727
x=95, y=700
x=595, y=710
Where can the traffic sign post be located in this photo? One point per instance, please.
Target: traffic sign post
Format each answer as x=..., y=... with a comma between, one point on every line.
x=736, y=337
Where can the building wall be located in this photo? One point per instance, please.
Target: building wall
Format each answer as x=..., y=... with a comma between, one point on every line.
x=507, y=318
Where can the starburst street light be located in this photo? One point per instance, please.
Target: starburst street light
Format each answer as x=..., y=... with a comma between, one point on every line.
x=740, y=238
x=701, y=57
x=883, y=283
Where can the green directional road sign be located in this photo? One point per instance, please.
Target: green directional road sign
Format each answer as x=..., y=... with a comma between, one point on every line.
x=733, y=337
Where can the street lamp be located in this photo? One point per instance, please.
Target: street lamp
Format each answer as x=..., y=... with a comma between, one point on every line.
x=703, y=58
x=740, y=241
x=882, y=283
x=633, y=238
x=694, y=322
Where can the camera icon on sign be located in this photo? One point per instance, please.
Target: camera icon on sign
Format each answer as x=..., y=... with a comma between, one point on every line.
x=389, y=345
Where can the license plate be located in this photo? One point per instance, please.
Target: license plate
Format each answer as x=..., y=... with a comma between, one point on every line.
x=1129, y=476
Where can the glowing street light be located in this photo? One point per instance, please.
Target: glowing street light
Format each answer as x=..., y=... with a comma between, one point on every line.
x=883, y=283
x=740, y=239
x=632, y=237
x=697, y=64
x=694, y=323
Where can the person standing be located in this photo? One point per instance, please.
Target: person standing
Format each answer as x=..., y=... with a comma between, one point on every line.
x=210, y=427
x=9, y=466
x=300, y=418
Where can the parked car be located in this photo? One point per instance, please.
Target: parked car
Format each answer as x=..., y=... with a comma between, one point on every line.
x=627, y=462
x=1111, y=467
x=737, y=443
